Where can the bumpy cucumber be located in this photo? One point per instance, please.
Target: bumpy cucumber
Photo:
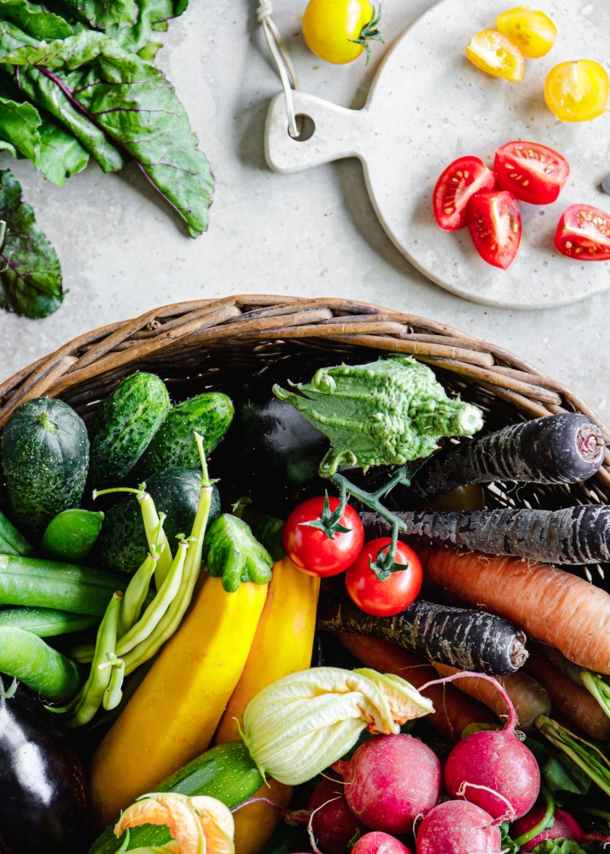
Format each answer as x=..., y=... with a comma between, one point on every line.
x=123, y=427
x=45, y=455
x=122, y=544
x=226, y=772
x=71, y=535
x=210, y=414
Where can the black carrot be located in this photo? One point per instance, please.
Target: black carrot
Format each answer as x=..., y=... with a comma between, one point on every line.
x=463, y=638
x=565, y=448
x=574, y=535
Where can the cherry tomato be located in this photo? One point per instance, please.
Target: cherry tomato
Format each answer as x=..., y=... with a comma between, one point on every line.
x=460, y=181
x=494, y=53
x=389, y=597
x=494, y=221
x=531, y=31
x=531, y=172
x=577, y=91
x=311, y=549
x=339, y=31
x=584, y=233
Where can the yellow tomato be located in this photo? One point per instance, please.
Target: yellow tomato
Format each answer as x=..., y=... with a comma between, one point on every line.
x=494, y=53
x=339, y=31
x=577, y=91
x=531, y=31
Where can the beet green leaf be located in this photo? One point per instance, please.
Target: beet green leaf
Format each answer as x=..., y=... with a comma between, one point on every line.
x=34, y=20
x=103, y=13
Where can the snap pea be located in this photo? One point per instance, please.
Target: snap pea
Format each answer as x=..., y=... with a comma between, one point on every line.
x=29, y=659
x=46, y=622
x=11, y=541
x=71, y=534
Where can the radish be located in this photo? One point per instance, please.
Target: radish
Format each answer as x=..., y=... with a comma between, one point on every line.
x=379, y=843
x=565, y=827
x=333, y=824
x=457, y=827
x=493, y=769
x=390, y=780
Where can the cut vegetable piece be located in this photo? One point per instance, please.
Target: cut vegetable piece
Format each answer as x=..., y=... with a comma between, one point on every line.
x=460, y=181
x=577, y=91
x=495, y=54
x=494, y=220
x=532, y=31
x=531, y=172
x=583, y=233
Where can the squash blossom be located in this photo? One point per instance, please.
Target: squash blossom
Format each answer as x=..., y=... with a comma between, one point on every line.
x=388, y=412
x=304, y=722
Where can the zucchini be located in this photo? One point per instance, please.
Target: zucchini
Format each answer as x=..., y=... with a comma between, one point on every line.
x=72, y=534
x=123, y=427
x=209, y=414
x=226, y=772
x=122, y=543
x=45, y=456
x=46, y=622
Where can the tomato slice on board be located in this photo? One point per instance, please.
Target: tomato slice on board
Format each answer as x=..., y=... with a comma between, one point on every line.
x=460, y=181
x=531, y=172
x=494, y=53
x=494, y=221
x=584, y=233
x=531, y=31
x=577, y=91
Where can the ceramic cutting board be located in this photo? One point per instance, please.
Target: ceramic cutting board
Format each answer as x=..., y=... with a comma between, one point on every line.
x=427, y=106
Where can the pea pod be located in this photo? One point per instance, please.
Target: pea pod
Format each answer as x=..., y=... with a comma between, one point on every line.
x=12, y=542
x=29, y=659
x=45, y=622
x=71, y=534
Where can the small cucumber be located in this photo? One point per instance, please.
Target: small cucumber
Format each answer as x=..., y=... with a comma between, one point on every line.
x=209, y=414
x=226, y=772
x=45, y=456
x=71, y=535
x=122, y=544
x=123, y=427
x=46, y=622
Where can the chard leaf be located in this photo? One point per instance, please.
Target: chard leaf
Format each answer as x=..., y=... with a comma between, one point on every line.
x=69, y=53
x=153, y=14
x=103, y=13
x=34, y=20
x=31, y=282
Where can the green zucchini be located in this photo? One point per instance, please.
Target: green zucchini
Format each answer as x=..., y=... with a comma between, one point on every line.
x=209, y=414
x=226, y=772
x=46, y=622
x=122, y=543
x=12, y=542
x=71, y=535
x=45, y=456
x=123, y=427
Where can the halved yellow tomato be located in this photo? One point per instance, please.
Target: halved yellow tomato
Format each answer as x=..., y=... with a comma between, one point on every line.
x=493, y=52
x=577, y=91
x=531, y=31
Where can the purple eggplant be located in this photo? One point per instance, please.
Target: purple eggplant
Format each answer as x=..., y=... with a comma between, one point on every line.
x=43, y=801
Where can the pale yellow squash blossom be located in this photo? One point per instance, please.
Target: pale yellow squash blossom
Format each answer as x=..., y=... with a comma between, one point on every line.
x=304, y=722
x=198, y=825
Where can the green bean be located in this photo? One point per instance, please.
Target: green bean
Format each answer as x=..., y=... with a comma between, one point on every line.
x=114, y=693
x=138, y=587
x=12, y=542
x=29, y=659
x=46, y=622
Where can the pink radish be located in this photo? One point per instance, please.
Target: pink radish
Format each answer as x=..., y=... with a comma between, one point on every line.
x=457, y=827
x=379, y=843
x=333, y=824
x=492, y=768
x=390, y=780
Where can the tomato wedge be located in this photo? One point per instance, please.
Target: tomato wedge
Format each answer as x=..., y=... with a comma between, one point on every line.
x=584, y=233
x=494, y=220
x=460, y=181
x=531, y=172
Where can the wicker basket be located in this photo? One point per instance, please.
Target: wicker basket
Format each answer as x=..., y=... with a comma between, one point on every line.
x=214, y=344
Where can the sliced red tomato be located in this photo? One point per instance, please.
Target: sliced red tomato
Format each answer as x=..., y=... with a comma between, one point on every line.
x=392, y=595
x=460, y=181
x=531, y=172
x=584, y=233
x=494, y=221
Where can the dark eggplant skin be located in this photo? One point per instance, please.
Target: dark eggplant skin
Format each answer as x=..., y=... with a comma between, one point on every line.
x=43, y=796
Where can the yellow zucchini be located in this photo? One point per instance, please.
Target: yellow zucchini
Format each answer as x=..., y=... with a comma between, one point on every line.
x=172, y=716
x=282, y=644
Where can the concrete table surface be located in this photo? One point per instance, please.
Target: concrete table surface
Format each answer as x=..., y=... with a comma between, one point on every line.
x=309, y=234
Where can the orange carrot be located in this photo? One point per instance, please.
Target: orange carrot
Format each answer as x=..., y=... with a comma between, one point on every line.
x=454, y=711
x=550, y=605
x=528, y=697
x=576, y=703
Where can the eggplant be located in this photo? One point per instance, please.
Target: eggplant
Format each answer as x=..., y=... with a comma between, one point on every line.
x=43, y=801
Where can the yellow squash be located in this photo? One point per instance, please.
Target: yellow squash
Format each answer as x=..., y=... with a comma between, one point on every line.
x=173, y=714
x=283, y=644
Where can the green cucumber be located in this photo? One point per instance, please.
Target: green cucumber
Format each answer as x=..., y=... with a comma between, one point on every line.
x=226, y=772
x=209, y=414
x=46, y=622
x=123, y=427
x=45, y=456
x=11, y=541
x=71, y=535
x=122, y=544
